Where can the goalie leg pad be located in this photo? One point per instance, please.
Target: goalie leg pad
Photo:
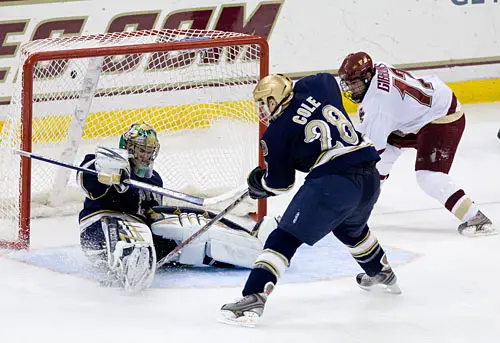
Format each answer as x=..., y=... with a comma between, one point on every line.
x=221, y=243
x=180, y=227
x=233, y=247
x=93, y=244
x=131, y=257
x=237, y=247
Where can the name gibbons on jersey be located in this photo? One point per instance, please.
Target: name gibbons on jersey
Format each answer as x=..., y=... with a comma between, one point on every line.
x=313, y=135
x=383, y=78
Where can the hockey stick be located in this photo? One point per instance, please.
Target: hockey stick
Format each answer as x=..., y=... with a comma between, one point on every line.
x=201, y=231
x=192, y=199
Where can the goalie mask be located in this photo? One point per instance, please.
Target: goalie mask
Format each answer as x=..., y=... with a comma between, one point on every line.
x=141, y=142
x=272, y=95
x=355, y=73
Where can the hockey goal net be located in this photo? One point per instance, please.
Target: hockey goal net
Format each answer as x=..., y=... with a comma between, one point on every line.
x=75, y=93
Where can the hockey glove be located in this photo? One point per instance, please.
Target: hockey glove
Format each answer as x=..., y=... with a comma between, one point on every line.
x=112, y=166
x=401, y=140
x=255, y=188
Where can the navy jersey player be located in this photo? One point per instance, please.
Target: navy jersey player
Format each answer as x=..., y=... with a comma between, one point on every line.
x=114, y=221
x=309, y=130
x=120, y=229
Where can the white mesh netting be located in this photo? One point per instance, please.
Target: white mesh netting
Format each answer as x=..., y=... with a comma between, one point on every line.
x=198, y=99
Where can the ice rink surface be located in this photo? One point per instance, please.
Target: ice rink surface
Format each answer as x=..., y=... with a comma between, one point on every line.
x=451, y=287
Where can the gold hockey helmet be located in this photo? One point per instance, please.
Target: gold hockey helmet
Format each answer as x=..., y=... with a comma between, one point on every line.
x=272, y=95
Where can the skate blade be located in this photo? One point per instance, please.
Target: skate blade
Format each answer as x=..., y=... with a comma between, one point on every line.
x=228, y=317
x=383, y=289
x=491, y=231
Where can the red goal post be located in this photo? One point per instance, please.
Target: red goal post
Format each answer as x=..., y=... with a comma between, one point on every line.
x=186, y=82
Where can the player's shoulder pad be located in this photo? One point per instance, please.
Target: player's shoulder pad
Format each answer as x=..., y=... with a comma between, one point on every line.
x=330, y=81
x=325, y=76
x=388, y=65
x=316, y=82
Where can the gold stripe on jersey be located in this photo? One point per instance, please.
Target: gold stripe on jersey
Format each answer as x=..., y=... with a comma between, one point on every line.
x=450, y=118
x=402, y=134
x=332, y=154
x=275, y=190
x=87, y=192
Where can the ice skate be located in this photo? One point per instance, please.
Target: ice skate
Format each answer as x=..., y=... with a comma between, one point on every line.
x=247, y=310
x=385, y=281
x=479, y=225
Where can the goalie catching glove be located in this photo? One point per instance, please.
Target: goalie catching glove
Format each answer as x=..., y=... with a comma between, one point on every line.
x=112, y=166
x=255, y=188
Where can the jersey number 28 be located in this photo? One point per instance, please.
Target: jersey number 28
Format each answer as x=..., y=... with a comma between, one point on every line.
x=319, y=129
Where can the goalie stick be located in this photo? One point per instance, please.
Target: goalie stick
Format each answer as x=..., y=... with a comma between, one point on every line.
x=207, y=226
x=192, y=199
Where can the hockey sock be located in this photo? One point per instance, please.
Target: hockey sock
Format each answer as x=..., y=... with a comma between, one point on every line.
x=461, y=206
x=440, y=186
x=365, y=249
x=271, y=264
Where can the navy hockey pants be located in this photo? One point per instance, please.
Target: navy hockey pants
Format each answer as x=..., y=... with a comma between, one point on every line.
x=340, y=203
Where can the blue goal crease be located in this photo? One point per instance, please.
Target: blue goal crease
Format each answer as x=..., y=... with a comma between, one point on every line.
x=328, y=259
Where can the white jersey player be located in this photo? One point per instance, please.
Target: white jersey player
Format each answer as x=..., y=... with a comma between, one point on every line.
x=399, y=111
